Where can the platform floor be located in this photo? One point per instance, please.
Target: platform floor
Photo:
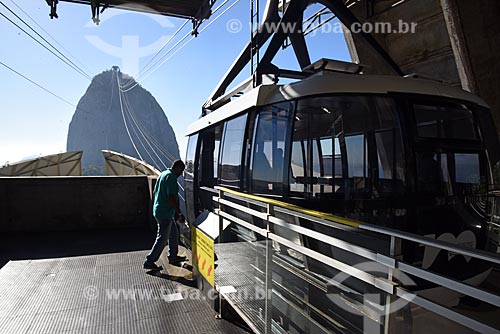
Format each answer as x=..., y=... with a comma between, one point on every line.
x=102, y=293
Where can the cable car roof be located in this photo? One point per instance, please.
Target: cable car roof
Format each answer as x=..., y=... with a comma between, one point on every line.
x=326, y=82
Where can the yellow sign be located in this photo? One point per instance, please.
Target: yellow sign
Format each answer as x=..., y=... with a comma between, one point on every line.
x=203, y=254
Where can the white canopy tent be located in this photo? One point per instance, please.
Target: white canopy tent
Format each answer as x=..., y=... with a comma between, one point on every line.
x=62, y=164
x=122, y=164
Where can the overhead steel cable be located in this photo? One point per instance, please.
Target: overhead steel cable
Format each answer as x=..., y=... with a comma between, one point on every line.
x=145, y=134
x=156, y=62
x=151, y=71
x=131, y=116
x=145, y=68
x=137, y=136
x=69, y=62
x=48, y=34
x=125, y=122
x=155, y=143
x=36, y=84
x=162, y=48
x=153, y=161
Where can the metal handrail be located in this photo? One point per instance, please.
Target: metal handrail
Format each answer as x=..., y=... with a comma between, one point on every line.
x=325, y=217
x=390, y=263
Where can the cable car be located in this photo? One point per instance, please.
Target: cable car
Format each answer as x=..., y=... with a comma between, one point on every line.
x=401, y=152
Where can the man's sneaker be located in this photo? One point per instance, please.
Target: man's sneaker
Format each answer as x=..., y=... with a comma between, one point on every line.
x=151, y=266
x=177, y=259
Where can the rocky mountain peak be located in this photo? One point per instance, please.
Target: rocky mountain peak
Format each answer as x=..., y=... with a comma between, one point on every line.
x=117, y=114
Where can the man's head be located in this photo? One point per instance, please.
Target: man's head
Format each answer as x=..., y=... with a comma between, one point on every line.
x=178, y=167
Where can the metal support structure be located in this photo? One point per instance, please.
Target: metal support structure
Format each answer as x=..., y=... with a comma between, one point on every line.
x=254, y=30
x=292, y=16
x=370, y=8
x=53, y=8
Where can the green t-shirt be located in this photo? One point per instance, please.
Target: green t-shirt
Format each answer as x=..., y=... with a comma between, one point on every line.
x=165, y=186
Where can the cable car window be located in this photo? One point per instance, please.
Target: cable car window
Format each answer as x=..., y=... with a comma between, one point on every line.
x=389, y=155
x=190, y=155
x=356, y=135
x=325, y=167
x=218, y=135
x=271, y=129
x=357, y=156
x=384, y=154
x=297, y=166
x=189, y=177
x=230, y=162
x=454, y=121
x=467, y=168
x=318, y=169
x=448, y=173
x=208, y=159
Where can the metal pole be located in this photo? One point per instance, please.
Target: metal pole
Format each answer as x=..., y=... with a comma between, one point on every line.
x=387, y=309
x=221, y=229
x=269, y=273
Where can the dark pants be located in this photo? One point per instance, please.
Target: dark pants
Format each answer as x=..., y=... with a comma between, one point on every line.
x=167, y=233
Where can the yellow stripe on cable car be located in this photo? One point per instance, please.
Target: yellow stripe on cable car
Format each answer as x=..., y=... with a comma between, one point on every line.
x=296, y=208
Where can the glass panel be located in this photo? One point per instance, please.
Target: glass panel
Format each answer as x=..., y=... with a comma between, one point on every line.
x=298, y=167
x=448, y=173
x=189, y=176
x=429, y=172
x=450, y=122
x=467, y=168
x=365, y=129
x=268, y=155
x=232, y=150
x=338, y=159
x=218, y=135
x=390, y=161
x=385, y=152
x=190, y=154
x=356, y=156
x=240, y=273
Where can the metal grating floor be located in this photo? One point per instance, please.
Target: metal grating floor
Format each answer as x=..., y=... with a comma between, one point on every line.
x=108, y=293
x=241, y=266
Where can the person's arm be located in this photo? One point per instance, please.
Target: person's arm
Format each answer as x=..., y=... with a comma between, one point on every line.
x=172, y=200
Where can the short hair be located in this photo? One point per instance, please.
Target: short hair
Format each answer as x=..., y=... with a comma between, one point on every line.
x=178, y=164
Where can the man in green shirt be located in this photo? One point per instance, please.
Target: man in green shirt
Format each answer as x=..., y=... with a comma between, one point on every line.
x=165, y=208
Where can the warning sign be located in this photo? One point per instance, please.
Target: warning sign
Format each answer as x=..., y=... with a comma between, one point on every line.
x=203, y=254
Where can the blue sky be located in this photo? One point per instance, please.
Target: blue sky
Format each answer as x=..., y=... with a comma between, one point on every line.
x=34, y=122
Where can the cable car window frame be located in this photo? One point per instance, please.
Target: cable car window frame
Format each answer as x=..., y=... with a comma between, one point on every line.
x=277, y=186
x=191, y=177
x=372, y=166
x=445, y=146
x=238, y=181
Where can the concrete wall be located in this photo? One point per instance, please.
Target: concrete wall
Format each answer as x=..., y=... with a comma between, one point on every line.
x=74, y=203
x=456, y=41
x=428, y=51
x=479, y=22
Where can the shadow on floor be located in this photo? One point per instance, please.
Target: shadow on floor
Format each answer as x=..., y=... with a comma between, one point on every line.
x=23, y=246
x=179, y=279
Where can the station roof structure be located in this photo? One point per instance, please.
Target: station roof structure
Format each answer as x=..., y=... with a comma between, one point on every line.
x=119, y=164
x=192, y=9
x=62, y=164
